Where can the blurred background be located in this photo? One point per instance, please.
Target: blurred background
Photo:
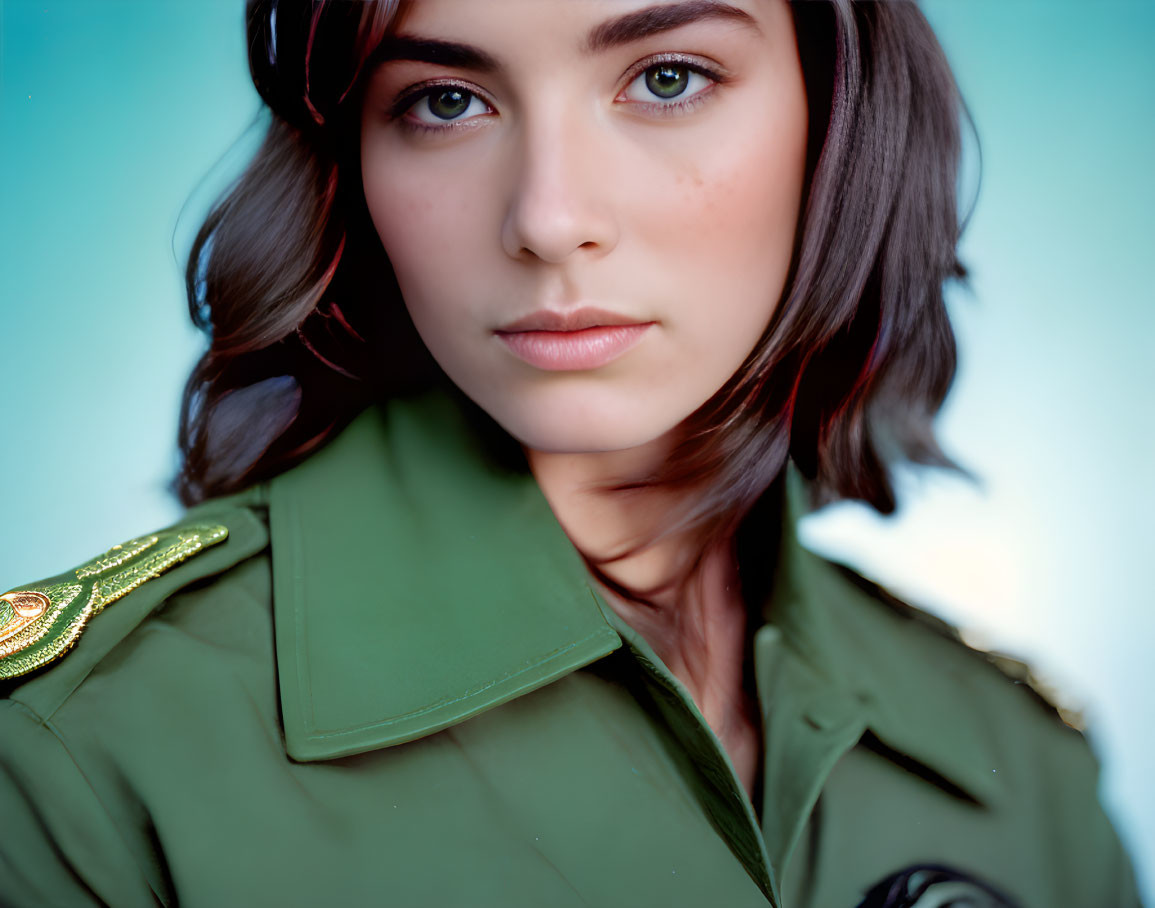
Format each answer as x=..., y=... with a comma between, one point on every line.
x=121, y=120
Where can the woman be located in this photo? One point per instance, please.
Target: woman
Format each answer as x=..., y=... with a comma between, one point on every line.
x=489, y=593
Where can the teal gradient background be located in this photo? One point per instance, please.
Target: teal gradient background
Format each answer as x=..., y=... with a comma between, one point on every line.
x=115, y=114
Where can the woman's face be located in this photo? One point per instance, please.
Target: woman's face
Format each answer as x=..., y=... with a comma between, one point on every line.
x=590, y=205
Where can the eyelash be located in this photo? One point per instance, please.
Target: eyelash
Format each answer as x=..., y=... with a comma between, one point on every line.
x=674, y=108
x=414, y=95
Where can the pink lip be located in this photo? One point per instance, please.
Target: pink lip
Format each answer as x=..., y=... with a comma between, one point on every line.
x=586, y=338
x=579, y=319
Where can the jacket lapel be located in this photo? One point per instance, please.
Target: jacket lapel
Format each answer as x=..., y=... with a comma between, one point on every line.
x=834, y=660
x=417, y=584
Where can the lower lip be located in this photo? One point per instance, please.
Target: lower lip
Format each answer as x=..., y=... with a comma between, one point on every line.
x=573, y=351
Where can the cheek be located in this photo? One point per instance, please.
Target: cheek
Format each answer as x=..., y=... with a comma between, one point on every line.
x=737, y=204
x=432, y=223
x=726, y=231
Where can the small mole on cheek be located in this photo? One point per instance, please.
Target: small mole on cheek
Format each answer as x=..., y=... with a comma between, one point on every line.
x=719, y=200
x=687, y=171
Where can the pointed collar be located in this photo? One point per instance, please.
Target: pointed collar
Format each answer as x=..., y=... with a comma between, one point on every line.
x=847, y=652
x=416, y=584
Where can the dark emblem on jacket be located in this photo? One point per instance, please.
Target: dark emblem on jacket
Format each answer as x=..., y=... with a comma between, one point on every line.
x=931, y=886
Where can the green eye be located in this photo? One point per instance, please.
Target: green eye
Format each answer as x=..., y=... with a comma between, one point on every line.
x=449, y=104
x=667, y=80
x=669, y=87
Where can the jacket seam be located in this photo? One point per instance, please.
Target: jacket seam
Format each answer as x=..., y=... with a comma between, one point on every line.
x=56, y=733
x=61, y=698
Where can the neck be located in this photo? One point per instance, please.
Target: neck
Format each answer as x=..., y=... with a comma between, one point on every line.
x=695, y=620
x=614, y=529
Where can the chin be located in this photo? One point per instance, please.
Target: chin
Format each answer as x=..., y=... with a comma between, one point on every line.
x=561, y=429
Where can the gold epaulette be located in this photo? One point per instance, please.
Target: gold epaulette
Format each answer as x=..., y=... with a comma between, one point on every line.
x=40, y=622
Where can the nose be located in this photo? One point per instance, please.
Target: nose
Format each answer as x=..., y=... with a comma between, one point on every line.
x=560, y=195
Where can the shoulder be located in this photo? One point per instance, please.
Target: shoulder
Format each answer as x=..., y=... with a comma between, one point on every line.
x=986, y=719
x=115, y=673
x=975, y=717
x=903, y=655
x=996, y=673
x=54, y=632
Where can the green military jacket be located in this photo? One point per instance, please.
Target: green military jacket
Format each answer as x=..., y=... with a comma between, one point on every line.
x=392, y=684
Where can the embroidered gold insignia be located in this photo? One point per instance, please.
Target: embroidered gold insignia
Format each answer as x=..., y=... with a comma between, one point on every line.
x=41, y=622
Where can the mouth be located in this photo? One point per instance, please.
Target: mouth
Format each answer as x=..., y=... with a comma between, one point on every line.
x=584, y=339
x=577, y=320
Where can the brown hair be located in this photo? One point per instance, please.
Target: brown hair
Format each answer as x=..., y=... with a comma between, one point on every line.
x=307, y=325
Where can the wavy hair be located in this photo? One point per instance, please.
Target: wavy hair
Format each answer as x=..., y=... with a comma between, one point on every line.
x=306, y=323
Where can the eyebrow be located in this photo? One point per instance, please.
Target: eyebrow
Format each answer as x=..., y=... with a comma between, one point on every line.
x=654, y=20
x=431, y=50
x=625, y=29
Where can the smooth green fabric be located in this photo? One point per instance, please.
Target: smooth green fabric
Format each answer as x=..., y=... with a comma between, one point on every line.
x=394, y=685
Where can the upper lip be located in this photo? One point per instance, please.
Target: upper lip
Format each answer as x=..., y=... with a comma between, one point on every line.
x=575, y=320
